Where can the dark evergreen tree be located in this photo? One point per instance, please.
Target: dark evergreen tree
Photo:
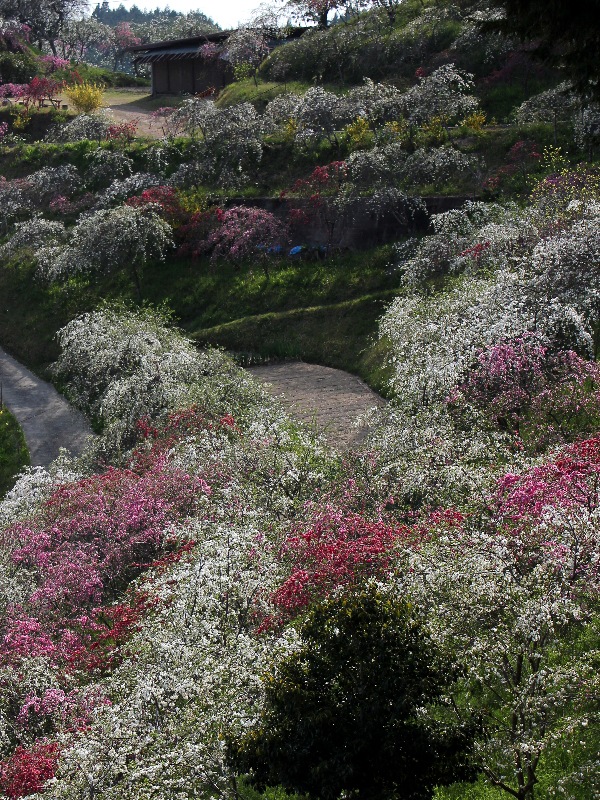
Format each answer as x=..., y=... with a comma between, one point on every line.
x=564, y=34
x=358, y=709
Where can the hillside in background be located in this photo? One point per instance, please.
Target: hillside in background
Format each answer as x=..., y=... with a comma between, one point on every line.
x=211, y=602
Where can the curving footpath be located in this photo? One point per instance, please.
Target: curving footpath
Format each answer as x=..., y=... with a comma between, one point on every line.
x=47, y=420
x=329, y=398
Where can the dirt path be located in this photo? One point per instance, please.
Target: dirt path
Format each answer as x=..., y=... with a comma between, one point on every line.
x=128, y=112
x=46, y=418
x=330, y=398
x=124, y=108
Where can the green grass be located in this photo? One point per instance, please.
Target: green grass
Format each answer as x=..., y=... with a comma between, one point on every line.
x=323, y=311
x=13, y=450
x=259, y=93
x=342, y=335
x=139, y=98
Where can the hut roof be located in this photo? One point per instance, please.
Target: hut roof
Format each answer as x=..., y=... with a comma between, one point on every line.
x=189, y=47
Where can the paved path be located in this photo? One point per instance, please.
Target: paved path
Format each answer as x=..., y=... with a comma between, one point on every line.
x=46, y=418
x=330, y=398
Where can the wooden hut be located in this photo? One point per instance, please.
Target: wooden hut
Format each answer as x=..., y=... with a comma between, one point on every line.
x=187, y=66
x=180, y=67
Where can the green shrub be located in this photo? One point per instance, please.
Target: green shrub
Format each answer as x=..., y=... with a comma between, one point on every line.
x=92, y=74
x=351, y=711
x=17, y=67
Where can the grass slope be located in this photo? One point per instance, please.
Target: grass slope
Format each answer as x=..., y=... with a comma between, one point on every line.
x=321, y=311
x=340, y=335
x=13, y=450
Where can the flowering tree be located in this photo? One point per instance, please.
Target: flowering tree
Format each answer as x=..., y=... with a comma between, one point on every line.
x=587, y=128
x=191, y=676
x=316, y=10
x=520, y=160
x=550, y=106
x=166, y=198
x=377, y=102
x=121, y=38
x=247, y=47
x=435, y=339
x=13, y=89
x=280, y=114
x=81, y=544
x=119, y=239
x=49, y=181
x=525, y=387
x=324, y=197
x=445, y=93
x=22, y=195
x=120, y=190
x=229, y=142
x=79, y=35
x=45, y=19
x=437, y=166
x=527, y=589
x=244, y=232
x=320, y=114
x=334, y=551
x=93, y=127
x=112, y=356
x=165, y=118
x=192, y=236
x=33, y=235
x=13, y=35
x=28, y=769
x=53, y=63
x=40, y=88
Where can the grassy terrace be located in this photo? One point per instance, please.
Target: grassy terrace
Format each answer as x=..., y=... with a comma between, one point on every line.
x=13, y=450
x=322, y=311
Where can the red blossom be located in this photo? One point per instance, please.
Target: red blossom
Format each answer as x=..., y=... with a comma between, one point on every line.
x=193, y=235
x=123, y=131
x=28, y=769
x=570, y=481
x=90, y=538
x=338, y=550
x=549, y=515
x=167, y=198
x=39, y=89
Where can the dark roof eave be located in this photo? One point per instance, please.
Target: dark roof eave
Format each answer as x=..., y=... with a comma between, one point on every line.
x=151, y=58
x=203, y=38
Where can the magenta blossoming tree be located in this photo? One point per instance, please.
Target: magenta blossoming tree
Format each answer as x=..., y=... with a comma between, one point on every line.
x=247, y=47
x=545, y=396
x=527, y=589
x=244, y=233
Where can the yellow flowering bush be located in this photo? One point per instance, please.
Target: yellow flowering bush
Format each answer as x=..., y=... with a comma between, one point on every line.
x=475, y=121
x=358, y=134
x=86, y=96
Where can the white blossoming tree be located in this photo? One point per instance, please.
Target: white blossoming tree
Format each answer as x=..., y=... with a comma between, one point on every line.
x=121, y=239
